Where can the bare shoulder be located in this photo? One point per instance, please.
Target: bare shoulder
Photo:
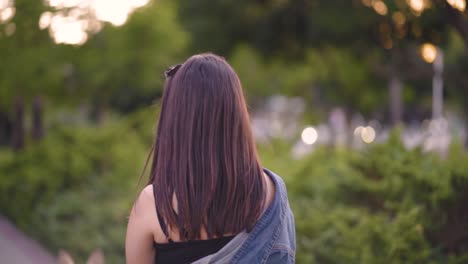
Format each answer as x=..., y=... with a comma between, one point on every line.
x=147, y=192
x=141, y=229
x=145, y=210
x=145, y=202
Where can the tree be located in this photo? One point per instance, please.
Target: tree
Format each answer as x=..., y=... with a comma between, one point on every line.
x=119, y=67
x=382, y=37
x=28, y=68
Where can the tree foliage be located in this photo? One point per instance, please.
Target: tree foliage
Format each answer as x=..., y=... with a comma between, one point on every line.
x=122, y=65
x=380, y=45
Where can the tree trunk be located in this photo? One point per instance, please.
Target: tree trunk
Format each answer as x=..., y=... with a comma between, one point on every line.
x=5, y=128
x=395, y=89
x=17, y=138
x=37, y=119
x=396, y=105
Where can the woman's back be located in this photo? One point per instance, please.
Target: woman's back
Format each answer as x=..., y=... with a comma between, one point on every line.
x=206, y=183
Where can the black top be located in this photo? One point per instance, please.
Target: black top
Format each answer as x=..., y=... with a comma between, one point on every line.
x=186, y=252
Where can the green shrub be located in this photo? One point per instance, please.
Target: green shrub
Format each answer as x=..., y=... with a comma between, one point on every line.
x=74, y=189
x=385, y=204
x=382, y=205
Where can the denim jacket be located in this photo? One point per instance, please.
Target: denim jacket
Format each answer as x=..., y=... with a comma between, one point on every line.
x=272, y=240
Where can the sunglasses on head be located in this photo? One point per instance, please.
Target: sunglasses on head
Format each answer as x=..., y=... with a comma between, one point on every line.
x=172, y=70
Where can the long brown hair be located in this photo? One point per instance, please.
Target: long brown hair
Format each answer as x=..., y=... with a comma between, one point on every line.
x=204, y=152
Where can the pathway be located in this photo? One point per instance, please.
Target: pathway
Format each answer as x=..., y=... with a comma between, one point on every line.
x=17, y=248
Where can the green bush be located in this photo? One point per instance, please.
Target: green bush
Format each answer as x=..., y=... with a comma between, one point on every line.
x=385, y=204
x=74, y=189
x=382, y=205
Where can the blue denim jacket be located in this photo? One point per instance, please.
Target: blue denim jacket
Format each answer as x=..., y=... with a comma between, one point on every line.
x=272, y=240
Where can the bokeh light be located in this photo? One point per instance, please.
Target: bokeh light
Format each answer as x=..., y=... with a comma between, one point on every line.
x=399, y=18
x=7, y=10
x=417, y=6
x=429, y=52
x=460, y=5
x=7, y=14
x=357, y=131
x=64, y=3
x=368, y=134
x=139, y=3
x=44, y=20
x=69, y=31
x=85, y=17
x=309, y=135
x=114, y=11
x=380, y=7
x=4, y=4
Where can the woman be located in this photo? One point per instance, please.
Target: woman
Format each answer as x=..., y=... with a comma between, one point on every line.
x=208, y=200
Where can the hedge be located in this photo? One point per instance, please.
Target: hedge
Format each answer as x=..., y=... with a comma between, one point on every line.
x=384, y=204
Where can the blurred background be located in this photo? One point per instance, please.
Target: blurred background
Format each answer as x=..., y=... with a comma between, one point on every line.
x=359, y=104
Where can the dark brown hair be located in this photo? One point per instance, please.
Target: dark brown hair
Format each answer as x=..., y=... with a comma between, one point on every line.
x=204, y=152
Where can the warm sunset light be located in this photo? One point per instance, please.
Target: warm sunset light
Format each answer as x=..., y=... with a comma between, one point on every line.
x=45, y=19
x=417, y=6
x=429, y=52
x=380, y=7
x=85, y=17
x=7, y=14
x=7, y=11
x=458, y=4
x=68, y=31
x=139, y=3
x=399, y=18
x=4, y=4
x=114, y=11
